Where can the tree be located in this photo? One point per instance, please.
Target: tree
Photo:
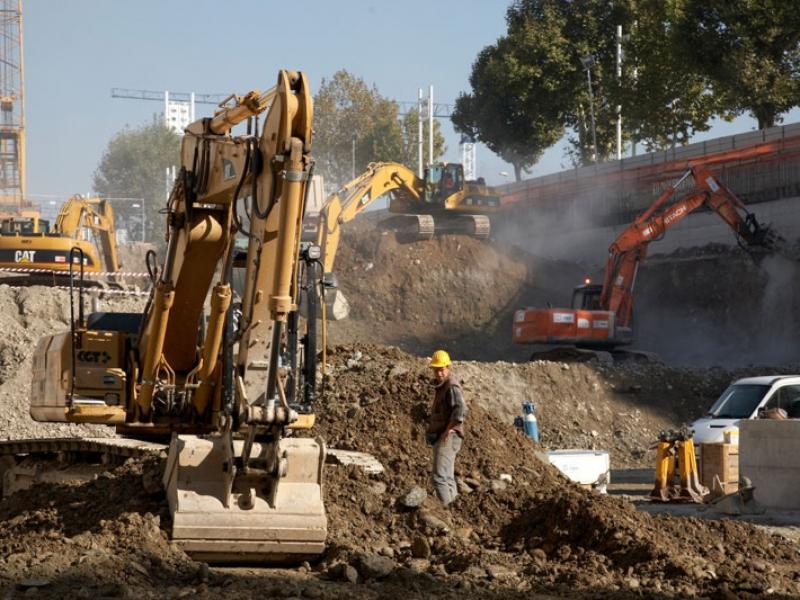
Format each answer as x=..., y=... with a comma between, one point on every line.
x=133, y=165
x=531, y=84
x=750, y=50
x=348, y=116
x=677, y=98
x=506, y=110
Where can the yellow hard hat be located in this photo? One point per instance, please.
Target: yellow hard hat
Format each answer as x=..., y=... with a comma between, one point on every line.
x=440, y=359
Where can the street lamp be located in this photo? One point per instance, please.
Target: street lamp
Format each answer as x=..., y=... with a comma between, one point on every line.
x=588, y=63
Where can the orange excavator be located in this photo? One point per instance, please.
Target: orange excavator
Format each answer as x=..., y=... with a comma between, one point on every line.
x=601, y=315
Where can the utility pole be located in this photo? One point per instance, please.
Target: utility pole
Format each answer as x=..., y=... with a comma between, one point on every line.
x=430, y=125
x=588, y=63
x=353, y=155
x=420, y=141
x=619, y=80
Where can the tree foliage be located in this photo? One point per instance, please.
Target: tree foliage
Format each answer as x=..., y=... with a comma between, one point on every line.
x=506, y=110
x=750, y=51
x=134, y=166
x=348, y=113
x=684, y=62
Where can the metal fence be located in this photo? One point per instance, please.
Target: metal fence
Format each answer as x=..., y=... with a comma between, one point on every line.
x=759, y=166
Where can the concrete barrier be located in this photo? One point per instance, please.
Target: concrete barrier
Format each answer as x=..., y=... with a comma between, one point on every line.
x=769, y=454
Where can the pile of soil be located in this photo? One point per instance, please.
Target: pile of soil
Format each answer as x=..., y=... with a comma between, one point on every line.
x=132, y=256
x=536, y=532
x=517, y=530
x=716, y=305
x=452, y=290
x=704, y=306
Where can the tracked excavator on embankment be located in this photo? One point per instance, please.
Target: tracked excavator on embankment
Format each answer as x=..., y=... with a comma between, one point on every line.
x=441, y=202
x=601, y=316
x=30, y=253
x=228, y=391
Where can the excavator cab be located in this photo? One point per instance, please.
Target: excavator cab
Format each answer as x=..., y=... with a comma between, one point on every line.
x=442, y=180
x=587, y=296
x=24, y=226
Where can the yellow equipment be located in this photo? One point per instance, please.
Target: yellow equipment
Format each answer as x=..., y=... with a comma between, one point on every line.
x=86, y=223
x=440, y=359
x=226, y=390
x=675, y=451
x=442, y=202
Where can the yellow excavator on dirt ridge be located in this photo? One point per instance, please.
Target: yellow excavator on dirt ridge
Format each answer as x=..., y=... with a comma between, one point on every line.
x=227, y=388
x=442, y=202
x=31, y=253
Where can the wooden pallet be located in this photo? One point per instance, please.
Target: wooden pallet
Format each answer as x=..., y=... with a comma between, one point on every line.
x=720, y=461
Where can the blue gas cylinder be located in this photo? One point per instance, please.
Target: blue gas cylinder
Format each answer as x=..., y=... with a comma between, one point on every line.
x=530, y=425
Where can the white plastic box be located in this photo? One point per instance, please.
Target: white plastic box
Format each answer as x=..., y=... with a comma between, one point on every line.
x=587, y=467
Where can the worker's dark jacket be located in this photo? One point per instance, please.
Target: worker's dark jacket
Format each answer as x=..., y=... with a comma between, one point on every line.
x=448, y=406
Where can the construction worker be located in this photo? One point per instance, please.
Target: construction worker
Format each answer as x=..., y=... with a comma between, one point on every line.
x=446, y=428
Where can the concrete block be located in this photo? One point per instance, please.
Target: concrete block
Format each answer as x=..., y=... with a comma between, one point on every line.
x=769, y=454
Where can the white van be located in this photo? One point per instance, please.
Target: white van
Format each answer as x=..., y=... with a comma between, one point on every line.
x=745, y=399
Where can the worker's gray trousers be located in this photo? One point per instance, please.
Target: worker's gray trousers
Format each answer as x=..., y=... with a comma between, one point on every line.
x=444, y=462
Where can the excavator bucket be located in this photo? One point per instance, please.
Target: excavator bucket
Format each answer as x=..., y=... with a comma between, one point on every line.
x=740, y=502
x=219, y=516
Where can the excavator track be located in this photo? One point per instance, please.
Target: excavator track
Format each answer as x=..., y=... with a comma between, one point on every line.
x=26, y=462
x=425, y=227
x=410, y=227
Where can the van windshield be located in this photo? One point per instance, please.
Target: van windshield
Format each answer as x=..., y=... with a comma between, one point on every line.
x=738, y=401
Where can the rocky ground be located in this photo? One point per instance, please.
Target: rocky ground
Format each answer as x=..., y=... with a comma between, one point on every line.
x=518, y=529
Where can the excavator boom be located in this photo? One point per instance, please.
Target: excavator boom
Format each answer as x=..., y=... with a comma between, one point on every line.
x=602, y=316
x=440, y=203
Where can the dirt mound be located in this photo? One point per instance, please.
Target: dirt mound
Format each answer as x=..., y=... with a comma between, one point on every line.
x=518, y=528
x=132, y=256
x=537, y=531
x=703, y=306
x=719, y=305
x=451, y=290
x=97, y=539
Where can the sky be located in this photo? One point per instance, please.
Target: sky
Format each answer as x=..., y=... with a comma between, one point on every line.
x=76, y=51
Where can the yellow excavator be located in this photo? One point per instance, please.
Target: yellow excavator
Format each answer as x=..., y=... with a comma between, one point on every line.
x=231, y=389
x=29, y=249
x=442, y=202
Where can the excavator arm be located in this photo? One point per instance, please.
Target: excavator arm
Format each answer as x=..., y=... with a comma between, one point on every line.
x=356, y=195
x=94, y=215
x=601, y=316
x=239, y=488
x=629, y=250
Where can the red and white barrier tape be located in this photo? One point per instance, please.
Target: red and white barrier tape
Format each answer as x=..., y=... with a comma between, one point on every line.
x=76, y=272
x=97, y=290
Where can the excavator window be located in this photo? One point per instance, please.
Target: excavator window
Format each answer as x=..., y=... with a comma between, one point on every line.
x=443, y=181
x=25, y=226
x=587, y=297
